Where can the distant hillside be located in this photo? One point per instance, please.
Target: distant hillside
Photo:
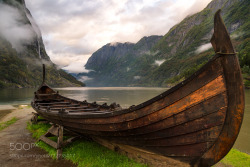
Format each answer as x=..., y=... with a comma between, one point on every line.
x=164, y=61
x=22, y=51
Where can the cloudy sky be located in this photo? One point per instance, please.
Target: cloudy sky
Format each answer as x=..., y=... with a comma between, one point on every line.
x=73, y=29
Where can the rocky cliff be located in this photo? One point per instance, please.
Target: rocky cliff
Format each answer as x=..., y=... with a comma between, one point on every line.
x=173, y=57
x=22, y=51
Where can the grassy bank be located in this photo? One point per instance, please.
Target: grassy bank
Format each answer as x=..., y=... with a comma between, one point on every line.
x=88, y=153
x=82, y=152
x=7, y=123
x=237, y=159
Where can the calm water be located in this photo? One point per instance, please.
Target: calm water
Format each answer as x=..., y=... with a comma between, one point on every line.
x=125, y=96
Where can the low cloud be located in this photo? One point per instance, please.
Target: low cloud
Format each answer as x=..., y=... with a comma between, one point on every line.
x=84, y=78
x=13, y=29
x=159, y=62
x=137, y=77
x=203, y=48
x=75, y=67
x=69, y=62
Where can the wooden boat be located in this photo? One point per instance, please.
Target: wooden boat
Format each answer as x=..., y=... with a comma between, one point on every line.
x=196, y=122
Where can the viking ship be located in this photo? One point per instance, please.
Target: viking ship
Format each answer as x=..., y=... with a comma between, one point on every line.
x=196, y=122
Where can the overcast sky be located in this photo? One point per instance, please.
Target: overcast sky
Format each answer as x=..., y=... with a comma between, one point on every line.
x=74, y=29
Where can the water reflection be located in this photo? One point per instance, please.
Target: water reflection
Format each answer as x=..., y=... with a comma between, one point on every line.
x=16, y=96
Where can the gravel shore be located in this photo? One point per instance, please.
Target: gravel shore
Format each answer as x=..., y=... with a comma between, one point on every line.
x=17, y=145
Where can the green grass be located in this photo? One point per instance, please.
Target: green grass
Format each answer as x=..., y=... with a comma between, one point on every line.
x=82, y=152
x=237, y=159
x=7, y=123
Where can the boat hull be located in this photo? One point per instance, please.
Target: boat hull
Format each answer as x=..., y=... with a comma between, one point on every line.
x=196, y=122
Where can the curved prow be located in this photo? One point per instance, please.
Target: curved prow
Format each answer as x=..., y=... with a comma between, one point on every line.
x=43, y=73
x=220, y=40
x=235, y=95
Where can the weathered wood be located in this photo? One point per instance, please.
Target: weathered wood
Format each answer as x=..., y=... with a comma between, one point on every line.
x=58, y=131
x=48, y=141
x=59, y=142
x=83, y=110
x=197, y=121
x=53, y=103
x=141, y=155
x=52, y=130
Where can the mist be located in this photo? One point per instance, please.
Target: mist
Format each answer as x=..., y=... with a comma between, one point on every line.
x=203, y=48
x=13, y=27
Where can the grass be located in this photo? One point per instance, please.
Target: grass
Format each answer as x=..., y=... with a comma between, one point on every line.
x=82, y=152
x=237, y=159
x=7, y=123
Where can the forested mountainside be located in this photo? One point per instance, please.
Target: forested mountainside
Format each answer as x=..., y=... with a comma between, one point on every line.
x=22, y=51
x=169, y=59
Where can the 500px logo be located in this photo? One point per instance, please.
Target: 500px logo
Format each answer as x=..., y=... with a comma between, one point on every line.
x=22, y=146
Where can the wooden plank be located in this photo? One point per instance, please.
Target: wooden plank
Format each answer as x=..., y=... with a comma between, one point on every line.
x=81, y=107
x=44, y=94
x=202, y=136
x=83, y=110
x=191, y=150
x=206, y=122
x=53, y=103
x=48, y=141
x=54, y=130
x=142, y=156
x=59, y=142
x=61, y=106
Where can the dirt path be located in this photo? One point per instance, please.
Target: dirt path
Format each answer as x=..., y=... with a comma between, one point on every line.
x=17, y=145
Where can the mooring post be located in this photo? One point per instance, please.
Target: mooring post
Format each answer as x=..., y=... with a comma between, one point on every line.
x=43, y=73
x=59, y=142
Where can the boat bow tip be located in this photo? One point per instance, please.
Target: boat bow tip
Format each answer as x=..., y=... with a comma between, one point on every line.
x=220, y=40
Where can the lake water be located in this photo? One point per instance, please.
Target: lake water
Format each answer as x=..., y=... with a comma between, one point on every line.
x=125, y=96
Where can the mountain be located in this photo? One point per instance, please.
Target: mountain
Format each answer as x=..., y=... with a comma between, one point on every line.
x=109, y=63
x=22, y=51
x=164, y=61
